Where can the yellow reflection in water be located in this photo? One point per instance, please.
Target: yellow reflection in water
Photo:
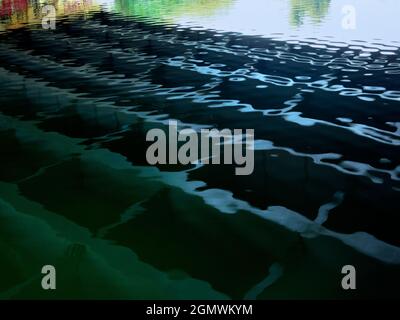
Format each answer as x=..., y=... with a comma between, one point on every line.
x=314, y=9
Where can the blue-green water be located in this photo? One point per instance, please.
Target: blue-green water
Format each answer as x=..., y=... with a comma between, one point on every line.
x=76, y=190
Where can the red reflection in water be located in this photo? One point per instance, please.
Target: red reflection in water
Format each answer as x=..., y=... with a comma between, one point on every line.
x=8, y=7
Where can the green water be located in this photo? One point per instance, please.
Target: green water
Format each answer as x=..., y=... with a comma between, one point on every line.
x=77, y=192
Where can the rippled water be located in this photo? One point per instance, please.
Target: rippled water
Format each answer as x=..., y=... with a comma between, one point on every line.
x=76, y=190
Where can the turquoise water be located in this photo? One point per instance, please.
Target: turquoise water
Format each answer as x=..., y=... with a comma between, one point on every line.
x=77, y=192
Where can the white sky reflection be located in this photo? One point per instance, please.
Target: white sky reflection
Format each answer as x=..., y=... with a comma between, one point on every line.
x=376, y=20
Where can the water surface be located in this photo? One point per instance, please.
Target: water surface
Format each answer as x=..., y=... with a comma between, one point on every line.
x=76, y=190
